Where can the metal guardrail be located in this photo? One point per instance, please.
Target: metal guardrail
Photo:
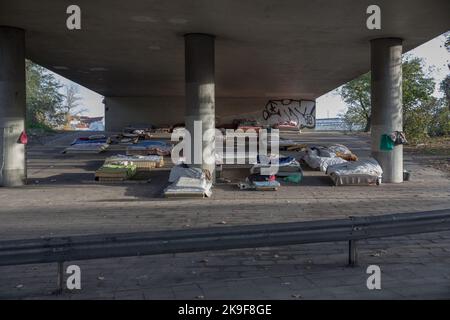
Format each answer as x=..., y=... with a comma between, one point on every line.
x=64, y=249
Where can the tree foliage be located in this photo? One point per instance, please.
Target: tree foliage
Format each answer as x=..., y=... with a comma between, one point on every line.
x=445, y=84
x=47, y=106
x=44, y=100
x=418, y=102
x=422, y=113
x=356, y=94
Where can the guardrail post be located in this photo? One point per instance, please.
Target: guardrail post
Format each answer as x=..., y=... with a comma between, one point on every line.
x=352, y=253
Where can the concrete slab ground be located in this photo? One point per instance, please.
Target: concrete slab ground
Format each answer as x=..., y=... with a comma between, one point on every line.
x=62, y=199
x=414, y=267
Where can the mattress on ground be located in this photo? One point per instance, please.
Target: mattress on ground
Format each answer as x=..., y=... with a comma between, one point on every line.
x=326, y=162
x=362, y=172
x=87, y=148
x=90, y=140
x=353, y=180
x=322, y=163
x=184, y=170
x=144, y=151
x=284, y=167
x=189, y=187
x=259, y=185
x=142, y=163
x=150, y=147
x=266, y=185
x=114, y=171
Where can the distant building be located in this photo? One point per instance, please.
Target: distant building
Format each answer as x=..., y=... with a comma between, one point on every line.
x=335, y=124
x=86, y=123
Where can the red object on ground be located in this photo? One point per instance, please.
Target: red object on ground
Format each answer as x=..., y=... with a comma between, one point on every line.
x=23, y=139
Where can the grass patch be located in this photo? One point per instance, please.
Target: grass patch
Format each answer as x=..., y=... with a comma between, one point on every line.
x=431, y=146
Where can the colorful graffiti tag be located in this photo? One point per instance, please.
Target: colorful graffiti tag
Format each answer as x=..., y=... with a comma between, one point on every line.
x=300, y=112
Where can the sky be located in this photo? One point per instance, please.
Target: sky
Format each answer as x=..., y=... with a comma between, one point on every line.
x=435, y=57
x=91, y=101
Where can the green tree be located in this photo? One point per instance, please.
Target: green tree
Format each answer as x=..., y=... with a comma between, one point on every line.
x=445, y=84
x=418, y=103
x=440, y=118
x=44, y=100
x=356, y=94
x=440, y=124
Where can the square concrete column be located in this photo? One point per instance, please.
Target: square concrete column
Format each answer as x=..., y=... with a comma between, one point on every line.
x=200, y=99
x=387, y=117
x=12, y=106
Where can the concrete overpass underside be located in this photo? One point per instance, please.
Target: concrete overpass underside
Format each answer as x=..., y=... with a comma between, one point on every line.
x=136, y=54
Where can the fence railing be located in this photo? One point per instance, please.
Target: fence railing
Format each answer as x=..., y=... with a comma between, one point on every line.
x=75, y=248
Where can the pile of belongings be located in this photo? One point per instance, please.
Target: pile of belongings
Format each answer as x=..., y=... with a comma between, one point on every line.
x=138, y=129
x=296, y=147
x=188, y=181
x=284, y=166
x=260, y=183
x=91, y=144
x=389, y=141
x=343, y=152
x=320, y=157
x=132, y=134
x=124, y=138
x=163, y=129
x=142, y=163
x=113, y=172
x=287, y=126
x=362, y=172
x=247, y=124
x=291, y=145
x=178, y=126
x=150, y=147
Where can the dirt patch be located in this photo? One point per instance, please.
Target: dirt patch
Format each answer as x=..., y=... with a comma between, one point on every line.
x=434, y=152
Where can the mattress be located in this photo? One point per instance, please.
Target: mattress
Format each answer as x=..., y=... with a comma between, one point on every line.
x=142, y=163
x=189, y=187
x=115, y=172
x=90, y=148
x=362, y=172
x=354, y=179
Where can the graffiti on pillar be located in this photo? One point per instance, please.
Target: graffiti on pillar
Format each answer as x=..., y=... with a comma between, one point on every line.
x=301, y=113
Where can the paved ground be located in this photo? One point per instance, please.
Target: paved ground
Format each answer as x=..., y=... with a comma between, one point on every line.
x=415, y=267
x=62, y=199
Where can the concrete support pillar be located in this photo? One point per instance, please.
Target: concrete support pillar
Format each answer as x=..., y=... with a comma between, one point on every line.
x=12, y=106
x=386, y=67
x=200, y=99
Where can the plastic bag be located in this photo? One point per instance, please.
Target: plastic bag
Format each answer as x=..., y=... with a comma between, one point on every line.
x=386, y=143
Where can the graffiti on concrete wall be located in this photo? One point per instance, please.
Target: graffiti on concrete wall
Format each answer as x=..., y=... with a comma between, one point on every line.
x=300, y=112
